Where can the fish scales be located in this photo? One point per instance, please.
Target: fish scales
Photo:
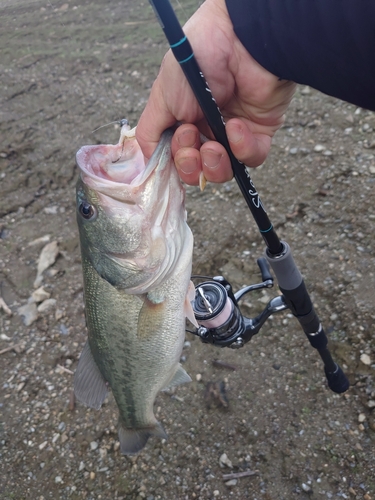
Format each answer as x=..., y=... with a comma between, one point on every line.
x=136, y=258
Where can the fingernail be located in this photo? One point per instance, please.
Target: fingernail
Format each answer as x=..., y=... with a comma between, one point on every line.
x=187, y=165
x=235, y=133
x=211, y=159
x=187, y=139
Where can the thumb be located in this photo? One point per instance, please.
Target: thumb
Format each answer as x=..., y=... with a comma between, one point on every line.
x=249, y=147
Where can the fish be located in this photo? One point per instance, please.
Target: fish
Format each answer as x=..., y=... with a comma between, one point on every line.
x=136, y=249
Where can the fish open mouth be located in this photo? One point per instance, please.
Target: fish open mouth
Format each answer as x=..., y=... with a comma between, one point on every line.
x=119, y=163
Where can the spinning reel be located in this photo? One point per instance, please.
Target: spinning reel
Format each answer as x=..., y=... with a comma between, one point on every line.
x=218, y=314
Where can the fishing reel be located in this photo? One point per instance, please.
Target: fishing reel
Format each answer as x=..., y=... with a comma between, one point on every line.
x=219, y=316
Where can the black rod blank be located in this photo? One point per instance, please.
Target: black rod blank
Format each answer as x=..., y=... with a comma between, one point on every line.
x=278, y=253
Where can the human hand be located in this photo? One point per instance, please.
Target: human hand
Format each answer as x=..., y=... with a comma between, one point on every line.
x=252, y=101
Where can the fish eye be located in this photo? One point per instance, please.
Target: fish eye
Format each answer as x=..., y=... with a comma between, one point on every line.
x=87, y=211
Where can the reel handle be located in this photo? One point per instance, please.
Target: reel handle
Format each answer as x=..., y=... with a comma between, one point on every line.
x=264, y=269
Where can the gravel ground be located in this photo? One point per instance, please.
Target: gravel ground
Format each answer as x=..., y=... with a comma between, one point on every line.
x=255, y=423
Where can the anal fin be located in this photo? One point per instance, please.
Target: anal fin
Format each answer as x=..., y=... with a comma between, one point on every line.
x=132, y=441
x=90, y=387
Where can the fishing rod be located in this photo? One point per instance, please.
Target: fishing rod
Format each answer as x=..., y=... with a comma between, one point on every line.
x=216, y=306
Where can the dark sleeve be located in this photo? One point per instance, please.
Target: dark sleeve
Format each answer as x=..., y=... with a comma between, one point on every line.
x=326, y=44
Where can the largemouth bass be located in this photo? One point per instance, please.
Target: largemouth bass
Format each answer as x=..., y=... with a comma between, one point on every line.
x=136, y=256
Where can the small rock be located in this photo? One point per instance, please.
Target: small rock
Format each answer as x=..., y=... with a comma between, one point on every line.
x=20, y=386
x=94, y=445
x=29, y=313
x=58, y=479
x=47, y=257
x=116, y=446
x=231, y=482
x=43, y=445
x=224, y=461
x=46, y=305
x=371, y=403
x=366, y=497
x=59, y=314
x=81, y=466
x=216, y=493
x=51, y=210
x=319, y=148
x=92, y=475
x=306, y=487
x=40, y=294
x=365, y=358
x=5, y=337
x=361, y=417
x=198, y=377
x=64, y=437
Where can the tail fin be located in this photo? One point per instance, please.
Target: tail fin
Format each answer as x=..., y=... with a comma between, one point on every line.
x=132, y=441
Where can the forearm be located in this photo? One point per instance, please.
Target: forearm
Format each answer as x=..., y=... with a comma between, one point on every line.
x=327, y=44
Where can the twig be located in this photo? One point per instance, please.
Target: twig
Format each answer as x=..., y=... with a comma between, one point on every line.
x=236, y=475
x=10, y=348
x=223, y=364
x=66, y=370
x=4, y=307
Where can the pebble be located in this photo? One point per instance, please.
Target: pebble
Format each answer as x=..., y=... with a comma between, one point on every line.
x=47, y=257
x=40, y=294
x=365, y=358
x=94, y=445
x=231, y=482
x=43, y=445
x=371, y=403
x=198, y=377
x=29, y=313
x=306, y=487
x=58, y=479
x=361, y=417
x=216, y=493
x=92, y=475
x=46, y=305
x=224, y=461
x=319, y=148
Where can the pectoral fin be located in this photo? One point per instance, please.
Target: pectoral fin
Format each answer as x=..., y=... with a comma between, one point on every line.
x=180, y=377
x=90, y=387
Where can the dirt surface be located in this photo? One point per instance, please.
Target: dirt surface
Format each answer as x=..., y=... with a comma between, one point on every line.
x=66, y=69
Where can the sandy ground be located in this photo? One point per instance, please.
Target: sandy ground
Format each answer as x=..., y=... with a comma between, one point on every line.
x=68, y=68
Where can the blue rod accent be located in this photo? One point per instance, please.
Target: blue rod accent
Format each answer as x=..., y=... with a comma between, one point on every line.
x=178, y=43
x=266, y=230
x=187, y=59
